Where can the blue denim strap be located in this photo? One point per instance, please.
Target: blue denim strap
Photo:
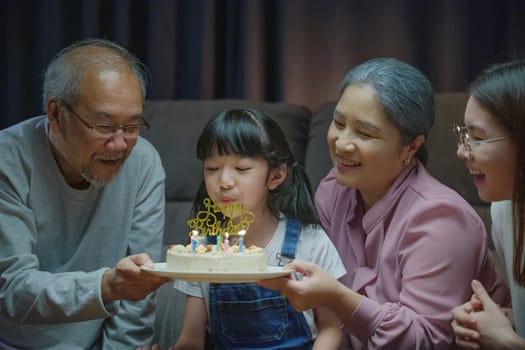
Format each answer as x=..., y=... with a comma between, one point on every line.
x=291, y=236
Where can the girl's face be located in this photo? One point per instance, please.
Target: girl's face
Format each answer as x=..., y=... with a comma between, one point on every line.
x=237, y=179
x=365, y=146
x=493, y=164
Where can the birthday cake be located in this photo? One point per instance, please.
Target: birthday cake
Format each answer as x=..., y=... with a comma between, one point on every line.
x=220, y=222
x=208, y=259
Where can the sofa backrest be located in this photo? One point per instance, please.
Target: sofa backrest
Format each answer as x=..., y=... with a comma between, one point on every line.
x=175, y=129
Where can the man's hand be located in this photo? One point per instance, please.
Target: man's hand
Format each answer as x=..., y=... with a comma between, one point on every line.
x=127, y=281
x=151, y=347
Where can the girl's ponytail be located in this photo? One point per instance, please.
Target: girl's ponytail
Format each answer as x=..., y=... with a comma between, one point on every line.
x=294, y=196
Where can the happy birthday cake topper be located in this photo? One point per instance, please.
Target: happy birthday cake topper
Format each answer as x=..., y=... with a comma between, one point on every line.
x=207, y=223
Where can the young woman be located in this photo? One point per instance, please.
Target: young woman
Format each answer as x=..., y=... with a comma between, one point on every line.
x=247, y=160
x=406, y=240
x=492, y=142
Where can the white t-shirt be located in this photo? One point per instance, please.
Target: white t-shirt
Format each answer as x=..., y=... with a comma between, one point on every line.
x=502, y=234
x=313, y=245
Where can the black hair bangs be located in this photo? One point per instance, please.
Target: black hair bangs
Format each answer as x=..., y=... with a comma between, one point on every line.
x=232, y=132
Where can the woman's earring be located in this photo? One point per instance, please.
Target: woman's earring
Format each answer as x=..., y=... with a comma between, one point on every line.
x=407, y=161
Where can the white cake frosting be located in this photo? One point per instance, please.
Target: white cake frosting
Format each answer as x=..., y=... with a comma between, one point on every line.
x=207, y=258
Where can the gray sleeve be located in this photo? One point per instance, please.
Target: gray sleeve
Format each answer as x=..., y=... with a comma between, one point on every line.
x=32, y=296
x=28, y=295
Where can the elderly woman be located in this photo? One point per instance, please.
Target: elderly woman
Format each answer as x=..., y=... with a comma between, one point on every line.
x=409, y=243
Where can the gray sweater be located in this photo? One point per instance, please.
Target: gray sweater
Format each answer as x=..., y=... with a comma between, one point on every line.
x=56, y=242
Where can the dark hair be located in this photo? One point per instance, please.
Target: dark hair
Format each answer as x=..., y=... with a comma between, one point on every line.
x=65, y=73
x=251, y=133
x=501, y=90
x=404, y=92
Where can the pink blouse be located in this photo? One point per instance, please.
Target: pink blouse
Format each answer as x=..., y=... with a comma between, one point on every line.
x=412, y=256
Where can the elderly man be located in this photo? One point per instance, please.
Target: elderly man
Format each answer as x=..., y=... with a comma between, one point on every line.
x=81, y=191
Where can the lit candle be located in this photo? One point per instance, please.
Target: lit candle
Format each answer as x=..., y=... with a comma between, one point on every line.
x=194, y=240
x=226, y=244
x=241, y=240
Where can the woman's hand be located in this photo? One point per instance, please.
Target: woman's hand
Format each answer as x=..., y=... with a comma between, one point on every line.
x=316, y=288
x=493, y=325
x=488, y=327
x=464, y=326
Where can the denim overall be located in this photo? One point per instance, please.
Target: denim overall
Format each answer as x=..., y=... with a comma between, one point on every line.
x=246, y=316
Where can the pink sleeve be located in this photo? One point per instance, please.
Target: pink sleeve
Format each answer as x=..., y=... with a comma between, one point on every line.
x=441, y=248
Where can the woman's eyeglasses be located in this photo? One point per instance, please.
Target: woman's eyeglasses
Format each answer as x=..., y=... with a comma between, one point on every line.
x=465, y=141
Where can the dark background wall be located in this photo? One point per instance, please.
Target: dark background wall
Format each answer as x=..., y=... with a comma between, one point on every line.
x=275, y=50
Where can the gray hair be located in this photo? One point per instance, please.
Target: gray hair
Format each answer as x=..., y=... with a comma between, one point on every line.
x=404, y=92
x=65, y=73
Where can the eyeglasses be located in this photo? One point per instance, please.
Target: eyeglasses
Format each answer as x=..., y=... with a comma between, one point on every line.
x=464, y=139
x=106, y=130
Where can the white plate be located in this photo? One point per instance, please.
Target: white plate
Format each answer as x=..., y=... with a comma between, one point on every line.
x=217, y=277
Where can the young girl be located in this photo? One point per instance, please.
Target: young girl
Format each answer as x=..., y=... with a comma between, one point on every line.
x=248, y=160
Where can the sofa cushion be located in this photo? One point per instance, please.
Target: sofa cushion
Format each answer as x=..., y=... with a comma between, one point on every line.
x=175, y=129
x=317, y=161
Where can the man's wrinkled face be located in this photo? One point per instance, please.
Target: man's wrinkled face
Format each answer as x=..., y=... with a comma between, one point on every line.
x=84, y=154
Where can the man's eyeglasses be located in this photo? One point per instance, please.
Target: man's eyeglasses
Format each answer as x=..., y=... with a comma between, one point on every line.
x=465, y=141
x=106, y=130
